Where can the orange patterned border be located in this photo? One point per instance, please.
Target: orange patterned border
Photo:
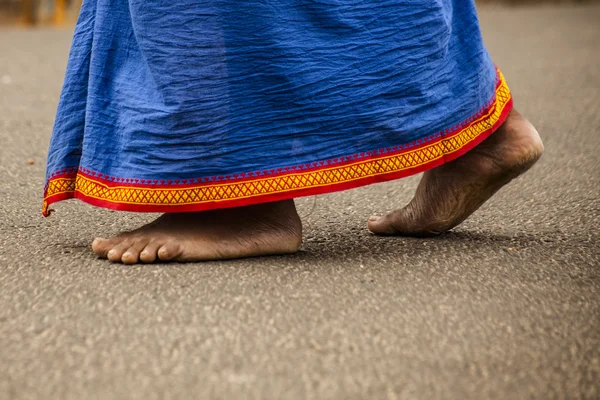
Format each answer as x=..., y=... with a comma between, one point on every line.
x=373, y=167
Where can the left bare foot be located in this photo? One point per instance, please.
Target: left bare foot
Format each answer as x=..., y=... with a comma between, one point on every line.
x=264, y=229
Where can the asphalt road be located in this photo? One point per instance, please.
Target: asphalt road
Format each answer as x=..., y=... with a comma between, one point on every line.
x=507, y=306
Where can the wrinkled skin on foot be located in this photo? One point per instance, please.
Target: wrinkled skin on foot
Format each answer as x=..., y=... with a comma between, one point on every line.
x=264, y=229
x=448, y=194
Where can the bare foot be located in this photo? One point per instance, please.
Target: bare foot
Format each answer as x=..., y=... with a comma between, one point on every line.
x=447, y=195
x=264, y=229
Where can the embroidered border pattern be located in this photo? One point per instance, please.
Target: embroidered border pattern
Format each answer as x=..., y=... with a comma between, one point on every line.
x=316, y=178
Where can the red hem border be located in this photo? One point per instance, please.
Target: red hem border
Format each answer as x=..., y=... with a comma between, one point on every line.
x=321, y=179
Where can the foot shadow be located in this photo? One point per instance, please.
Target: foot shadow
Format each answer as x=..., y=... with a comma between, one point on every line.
x=345, y=245
x=354, y=244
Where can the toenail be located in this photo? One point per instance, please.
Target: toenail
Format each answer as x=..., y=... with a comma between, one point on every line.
x=374, y=218
x=112, y=253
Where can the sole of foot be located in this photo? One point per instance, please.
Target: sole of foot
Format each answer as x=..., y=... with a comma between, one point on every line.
x=259, y=230
x=448, y=194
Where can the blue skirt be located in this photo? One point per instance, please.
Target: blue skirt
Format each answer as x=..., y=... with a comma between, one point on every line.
x=195, y=105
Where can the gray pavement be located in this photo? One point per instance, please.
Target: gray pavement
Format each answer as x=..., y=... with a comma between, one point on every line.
x=507, y=306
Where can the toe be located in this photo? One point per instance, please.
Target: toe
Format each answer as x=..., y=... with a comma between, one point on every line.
x=116, y=253
x=148, y=255
x=130, y=257
x=101, y=246
x=382, y=225
x=399, y=223
x=132, y=254
x=169, y=251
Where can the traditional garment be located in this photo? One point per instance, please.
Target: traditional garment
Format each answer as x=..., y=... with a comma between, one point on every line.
x=188, y=105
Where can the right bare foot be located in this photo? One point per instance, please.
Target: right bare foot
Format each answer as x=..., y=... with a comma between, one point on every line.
x=448, y=194
x=263, y=229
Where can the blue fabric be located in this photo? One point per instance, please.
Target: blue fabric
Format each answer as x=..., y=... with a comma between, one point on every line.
x=159, y=89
